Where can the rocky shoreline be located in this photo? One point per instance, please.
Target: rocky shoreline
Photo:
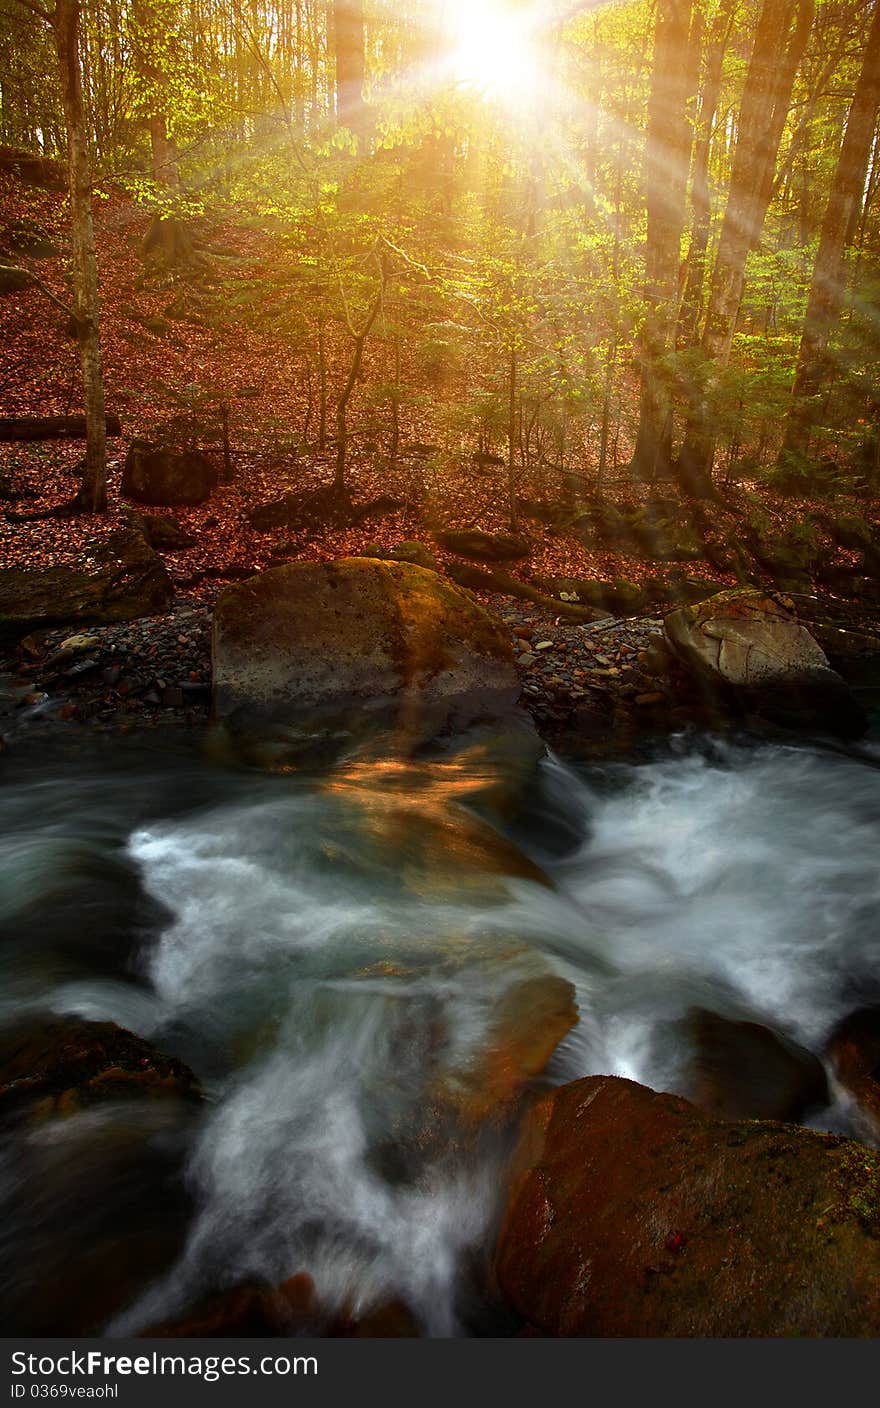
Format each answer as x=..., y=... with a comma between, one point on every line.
x=596, y=684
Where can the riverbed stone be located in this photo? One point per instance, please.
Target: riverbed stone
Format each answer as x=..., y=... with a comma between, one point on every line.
x=357, y=642
x=632, y=1213
x=58, y=1065
x=749, y=645
x=742, y=1070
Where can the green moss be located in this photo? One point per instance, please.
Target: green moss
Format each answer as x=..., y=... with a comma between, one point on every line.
x=858, y=1184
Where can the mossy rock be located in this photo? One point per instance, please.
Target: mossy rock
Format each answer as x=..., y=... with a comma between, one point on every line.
x=632, y=1213
x=357, y=641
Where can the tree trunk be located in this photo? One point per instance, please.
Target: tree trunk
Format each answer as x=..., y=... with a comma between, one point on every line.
x=695, y=264
x=829, y=271
x=164, y=153
x=780, y=39
x=511, y=442
x=667, y=162
x=65, y=25
x=348, y=49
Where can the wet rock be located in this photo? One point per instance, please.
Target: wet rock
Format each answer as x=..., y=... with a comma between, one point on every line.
x=532, y=1018
x=54, y=1066
x=115, y=578
x=743, y=1070
x=94, y=1207
x=619, y=596
x=636, y=1214
x=484, y=547
x=153, y=475
x=854, y=1052
x=293, y=1308
x=750, y=646
x=358, y=641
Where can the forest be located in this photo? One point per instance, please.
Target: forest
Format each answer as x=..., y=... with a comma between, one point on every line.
x=440, y=668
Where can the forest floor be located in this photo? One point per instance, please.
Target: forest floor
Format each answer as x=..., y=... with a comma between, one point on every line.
x=159, y=346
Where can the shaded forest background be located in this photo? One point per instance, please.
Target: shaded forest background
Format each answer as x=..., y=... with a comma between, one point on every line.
x=641, y=245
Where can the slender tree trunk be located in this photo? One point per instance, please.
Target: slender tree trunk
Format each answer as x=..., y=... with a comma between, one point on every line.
x=164, y=153
x=65, y=26
x=780, y=39
x=829, y=271
x=695, y=264
x=666, y=165
x=348, y=50
x=511, y=442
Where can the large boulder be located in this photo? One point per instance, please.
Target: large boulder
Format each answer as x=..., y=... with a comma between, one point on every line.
x=749, y=646
x=356, y=640
x=153, y=475
x=27, y=237
x=116, y=578
x=636, y=1214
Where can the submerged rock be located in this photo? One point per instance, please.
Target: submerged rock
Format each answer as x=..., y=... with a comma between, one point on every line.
x=358, y=641
x=293, y=1308
x=532, y=1018
x=59, y=1065
x=636, y=1214
x=750, y=646
x=743, y=1070
x=116, y=578
x=153, y=475
x=93, y=1201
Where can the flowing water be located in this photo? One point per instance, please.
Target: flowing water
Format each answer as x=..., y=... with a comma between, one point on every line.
x=330, y=951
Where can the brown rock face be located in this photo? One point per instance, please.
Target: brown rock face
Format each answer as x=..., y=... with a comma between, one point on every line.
x=635, y=1214
x=156, y=476
x=358, y=639
x=750, y=644
x=854, y=1049
x=116, y=578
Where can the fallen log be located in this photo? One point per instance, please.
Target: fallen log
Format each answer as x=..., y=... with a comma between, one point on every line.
x=51, y=427
x=464, y=574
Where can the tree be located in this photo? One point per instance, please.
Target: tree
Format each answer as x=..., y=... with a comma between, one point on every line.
x=829, y=272
x=348, y=51
x=667, y=160
x=780, y=39
x=64, y=20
